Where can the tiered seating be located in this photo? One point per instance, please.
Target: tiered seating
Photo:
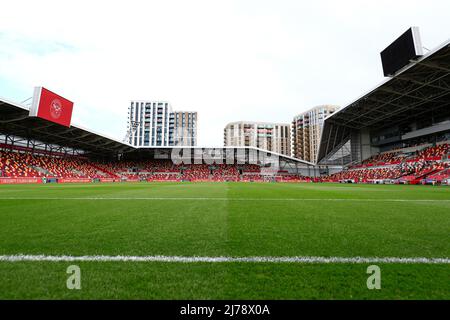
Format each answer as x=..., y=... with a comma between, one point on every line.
x=163, y=177
x=382, y=159
x=67, y=167
x=251, y=172
x=195, y=172
x=387, y=166
x=433, y=153
x=158, y=166
x=386, y=157
x=364, y=175
x=423, y=168
x=441, y=175
x=225, y=172
x=164, y=170
x=15, y=164
x=117, y=168
x=402, y=167
x=251, y=168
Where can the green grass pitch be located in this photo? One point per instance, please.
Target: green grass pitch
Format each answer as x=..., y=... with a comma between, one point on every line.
x=230, y=220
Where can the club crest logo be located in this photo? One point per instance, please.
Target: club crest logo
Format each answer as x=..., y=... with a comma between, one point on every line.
x=55, y=109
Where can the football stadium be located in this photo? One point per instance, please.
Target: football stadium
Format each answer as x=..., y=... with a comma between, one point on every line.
x=233, y=222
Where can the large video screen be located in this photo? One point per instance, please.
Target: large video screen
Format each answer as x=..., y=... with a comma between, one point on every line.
x=399, y=53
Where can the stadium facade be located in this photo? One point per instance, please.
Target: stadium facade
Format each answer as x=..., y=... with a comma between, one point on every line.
x=274, y=137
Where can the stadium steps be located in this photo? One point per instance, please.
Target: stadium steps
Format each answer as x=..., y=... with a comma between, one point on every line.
x=77, y=172
x=111, y=174
x=415, y=179
x=41, y=170
x=440, y=174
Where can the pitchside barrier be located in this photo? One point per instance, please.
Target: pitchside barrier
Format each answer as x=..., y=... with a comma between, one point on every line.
x=19, y=180
x=72, y=180
x=8, y=180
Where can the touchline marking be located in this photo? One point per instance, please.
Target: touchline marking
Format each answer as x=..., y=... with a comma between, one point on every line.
x=220, y=199
x=195, y=259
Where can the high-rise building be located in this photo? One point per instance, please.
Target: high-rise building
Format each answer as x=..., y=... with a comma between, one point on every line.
x=273, y=137
x=306, y=131
x=153, y=123
x=184, y=128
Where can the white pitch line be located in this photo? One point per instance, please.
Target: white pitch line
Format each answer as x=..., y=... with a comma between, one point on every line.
x=195, y=259
x=221, y=199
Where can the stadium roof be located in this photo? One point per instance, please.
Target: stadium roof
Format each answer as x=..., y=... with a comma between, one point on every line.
x=162, y=149
x=420, y=87
x=15, y=120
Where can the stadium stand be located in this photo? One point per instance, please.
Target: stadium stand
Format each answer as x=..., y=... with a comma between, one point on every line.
x=18, y=164
x=404, y=167
x=13, y=165
x=25, y=164
x=438, y=177
x=398, y=167
x=392, y=132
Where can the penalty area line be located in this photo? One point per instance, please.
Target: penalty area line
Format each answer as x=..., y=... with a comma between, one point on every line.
x=222, y=259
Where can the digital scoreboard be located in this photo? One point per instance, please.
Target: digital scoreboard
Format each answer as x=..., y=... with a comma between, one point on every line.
x=399, y=53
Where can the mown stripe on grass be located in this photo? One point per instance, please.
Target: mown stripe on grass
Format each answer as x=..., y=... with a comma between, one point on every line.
x=222, y=199
x=195, y=259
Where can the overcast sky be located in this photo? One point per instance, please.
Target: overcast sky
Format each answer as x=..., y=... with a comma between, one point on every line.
x=229, y=60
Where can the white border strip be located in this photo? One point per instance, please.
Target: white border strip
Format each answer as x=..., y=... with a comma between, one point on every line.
x=195, y=259
x=222, y=199
x=35, y=102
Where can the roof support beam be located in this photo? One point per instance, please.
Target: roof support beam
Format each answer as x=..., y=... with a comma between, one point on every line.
x=434, y=65
x=409, y=79
x=400, y=95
